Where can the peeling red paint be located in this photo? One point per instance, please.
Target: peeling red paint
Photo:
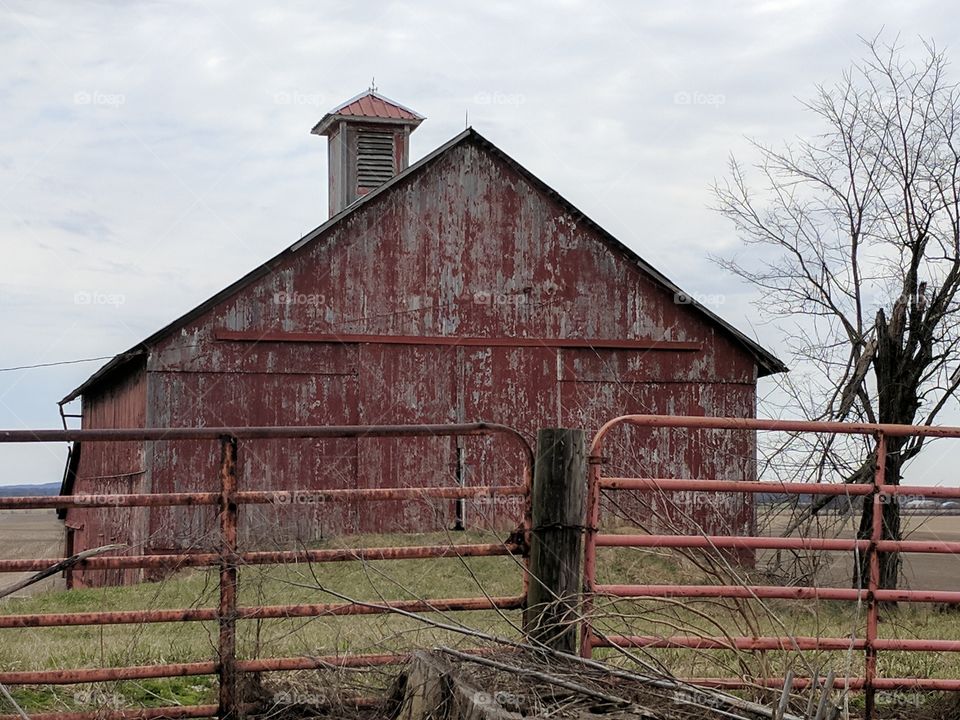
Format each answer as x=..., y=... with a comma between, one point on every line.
x=467, y=247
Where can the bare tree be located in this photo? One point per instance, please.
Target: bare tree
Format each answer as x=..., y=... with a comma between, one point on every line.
x=854, y=243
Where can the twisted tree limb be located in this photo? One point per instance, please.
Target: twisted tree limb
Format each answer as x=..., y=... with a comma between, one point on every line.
x=59, y=567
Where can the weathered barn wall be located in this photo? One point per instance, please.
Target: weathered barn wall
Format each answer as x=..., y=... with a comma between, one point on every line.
x=111, y=467
x=228, y=385
x=467, y=248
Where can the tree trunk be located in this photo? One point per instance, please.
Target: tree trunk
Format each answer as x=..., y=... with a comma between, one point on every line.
x=889, y=562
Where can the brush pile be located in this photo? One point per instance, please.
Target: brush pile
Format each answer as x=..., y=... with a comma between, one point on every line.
x=448, y=684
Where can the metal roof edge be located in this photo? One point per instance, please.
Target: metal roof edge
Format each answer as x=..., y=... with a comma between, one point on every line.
x=766, y=359
x=328, y=120
x=142, y=347
x=116, y=362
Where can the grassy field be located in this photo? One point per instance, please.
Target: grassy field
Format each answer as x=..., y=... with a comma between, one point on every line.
x=30, y=534
x=118, y=645
x=920, y=570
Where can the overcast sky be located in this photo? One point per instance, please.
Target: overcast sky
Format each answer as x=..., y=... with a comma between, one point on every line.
x=153, y=152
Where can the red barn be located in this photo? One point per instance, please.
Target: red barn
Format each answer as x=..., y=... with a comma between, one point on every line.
x=456, y=289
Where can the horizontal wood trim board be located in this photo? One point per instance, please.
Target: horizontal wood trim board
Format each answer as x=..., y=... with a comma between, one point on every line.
x=653, y=381
x=264, y=373
x=566, y=343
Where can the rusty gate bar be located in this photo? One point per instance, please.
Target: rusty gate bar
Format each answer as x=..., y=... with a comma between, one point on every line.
x=275, y=497
x=228, y=559
x=250, y=497
x=194, y=669
x=700, y=422
x=739, y=486
x=774, y=592
x=156, y=713
x=873, y=581
x=271, y=557
x=257, y=612
x=227, y=615
x=878, y=492
x=107, y=674
x=274, y=432
x=753, y=486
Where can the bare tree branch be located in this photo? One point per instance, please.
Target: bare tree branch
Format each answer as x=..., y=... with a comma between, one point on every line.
x=855, y=237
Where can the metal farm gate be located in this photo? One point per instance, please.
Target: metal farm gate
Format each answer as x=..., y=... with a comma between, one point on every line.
x=228, y=558
x=565, y=471
x=878, y=492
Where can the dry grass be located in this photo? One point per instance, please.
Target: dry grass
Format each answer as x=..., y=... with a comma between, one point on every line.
x=119, y=645
x=52, y=648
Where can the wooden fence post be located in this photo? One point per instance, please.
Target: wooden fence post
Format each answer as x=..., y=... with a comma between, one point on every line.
x=556, y=540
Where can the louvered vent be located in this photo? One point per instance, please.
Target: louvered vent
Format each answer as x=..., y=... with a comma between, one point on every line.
x=374, y=159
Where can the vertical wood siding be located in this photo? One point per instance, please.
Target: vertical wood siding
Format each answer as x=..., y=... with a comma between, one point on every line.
x=467, y=247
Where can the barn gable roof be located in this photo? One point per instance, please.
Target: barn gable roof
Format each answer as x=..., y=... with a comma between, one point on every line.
x=767, y=362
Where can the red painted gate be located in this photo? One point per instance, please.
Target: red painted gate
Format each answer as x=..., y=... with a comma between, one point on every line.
x=228, y=557
x=877, y=492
